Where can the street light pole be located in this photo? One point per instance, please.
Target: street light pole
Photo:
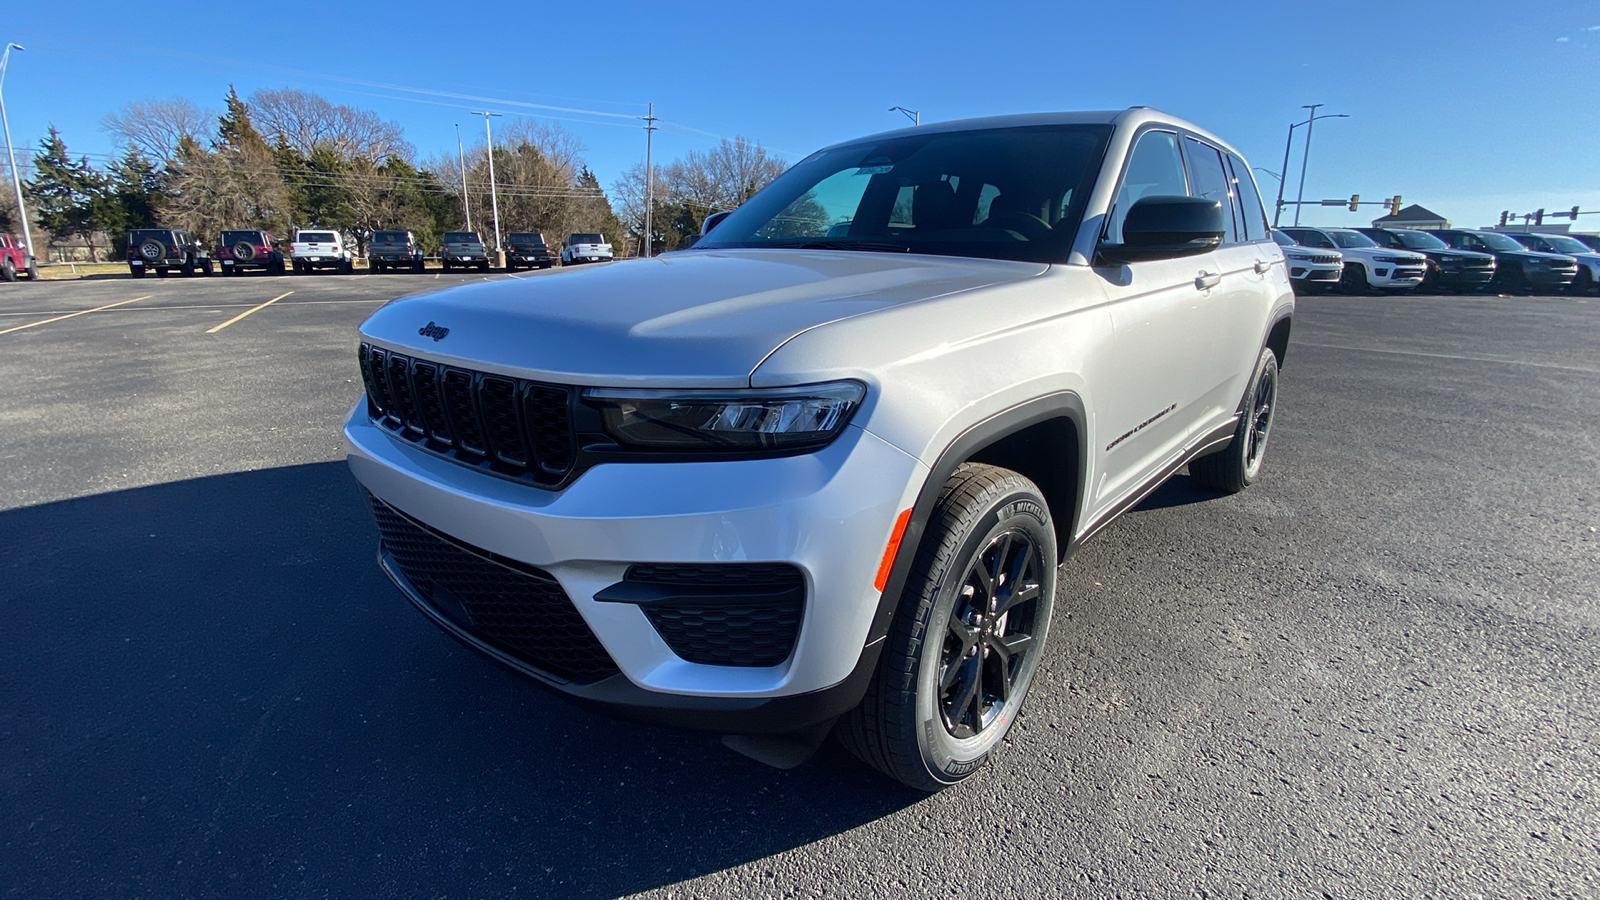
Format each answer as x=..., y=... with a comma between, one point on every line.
x=1300, y=193
x=461, y=155
x=494, y=198
x=11, y=158
x=1287, y=143
x=914, y=115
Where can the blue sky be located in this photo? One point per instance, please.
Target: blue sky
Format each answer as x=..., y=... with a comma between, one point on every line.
x=1467, y=108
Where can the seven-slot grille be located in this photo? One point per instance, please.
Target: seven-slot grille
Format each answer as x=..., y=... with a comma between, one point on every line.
x=513, y=426
x=516, y=607
x=1325, y=258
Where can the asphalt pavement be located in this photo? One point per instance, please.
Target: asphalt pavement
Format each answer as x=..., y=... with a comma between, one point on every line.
x=1373, y=674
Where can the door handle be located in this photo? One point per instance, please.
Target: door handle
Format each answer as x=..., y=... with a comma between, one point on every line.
x=1207, y=280
x=1262, y=266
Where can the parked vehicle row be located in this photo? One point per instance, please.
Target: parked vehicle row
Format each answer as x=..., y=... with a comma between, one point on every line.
x=1361, y=260
x=165, y=250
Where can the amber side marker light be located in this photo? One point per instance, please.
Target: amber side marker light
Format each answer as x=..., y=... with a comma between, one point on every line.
x=891, y=548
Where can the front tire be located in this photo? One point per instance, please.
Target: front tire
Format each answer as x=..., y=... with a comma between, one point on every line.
x=1236, y=466
x=1353, y=280
x=967, y=636
x=8, y=271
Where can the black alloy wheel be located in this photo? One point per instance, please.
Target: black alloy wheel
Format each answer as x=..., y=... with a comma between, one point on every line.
x=1353, y=279
x=1236, y=466
x=990, y=633
x=1583, y=285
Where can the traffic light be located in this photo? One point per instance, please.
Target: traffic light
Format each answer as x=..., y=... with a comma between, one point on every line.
x=1538, y=216
x=1573, y=214
x=1394, y=205
x=1355, y=200
x=1504, y=215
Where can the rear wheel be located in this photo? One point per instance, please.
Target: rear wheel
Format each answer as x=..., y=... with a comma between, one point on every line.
x=967, y=636
x=1235, y=467
x=33, y=270
x=483, y=266
x=137, y=272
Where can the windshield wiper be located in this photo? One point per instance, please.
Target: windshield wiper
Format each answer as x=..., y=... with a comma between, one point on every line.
x=885, y=246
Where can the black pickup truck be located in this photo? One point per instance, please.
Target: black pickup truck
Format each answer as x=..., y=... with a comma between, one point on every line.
x=527, y=249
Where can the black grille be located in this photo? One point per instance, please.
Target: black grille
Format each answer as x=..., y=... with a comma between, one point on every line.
x=518, y=608
x=729, y=630
x=513, y=426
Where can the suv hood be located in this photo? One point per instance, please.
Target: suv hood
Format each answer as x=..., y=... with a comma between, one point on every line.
x=705, y=319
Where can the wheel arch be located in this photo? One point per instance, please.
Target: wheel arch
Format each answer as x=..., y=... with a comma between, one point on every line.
x=1042, y=439
x=1278, y=335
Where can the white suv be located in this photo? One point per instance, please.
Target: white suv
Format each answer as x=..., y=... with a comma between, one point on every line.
x=320, y=249
x=819, y=472
x=1367, y=265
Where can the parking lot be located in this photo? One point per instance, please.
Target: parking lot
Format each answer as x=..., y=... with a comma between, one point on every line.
x=1372, y=674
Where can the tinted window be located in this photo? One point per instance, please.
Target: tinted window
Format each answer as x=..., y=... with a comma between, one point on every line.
x=1560, y=243
x=1282, y=238
x=398, y=237
x=320, y=237
x=587, y=238
x=1497, y=241
x=1155, y=169
x=1252, y=215
x=1308, y=238
x=921, y=191
x=230, y=238
x=526, y=237
x=1211, y=182
x=1419, y=240
x=1350, y=240
x=462, y=237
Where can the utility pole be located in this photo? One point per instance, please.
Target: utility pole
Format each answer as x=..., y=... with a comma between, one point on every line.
x=11, y=158
x=462, y=156
x=649, y=176
x=494, y=198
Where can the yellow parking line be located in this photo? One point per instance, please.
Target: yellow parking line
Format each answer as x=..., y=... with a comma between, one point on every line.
x=80, y=312
x=248, y=312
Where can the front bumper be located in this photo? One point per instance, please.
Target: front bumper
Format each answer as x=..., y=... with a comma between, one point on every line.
x=828, y=513
x=1391, y=275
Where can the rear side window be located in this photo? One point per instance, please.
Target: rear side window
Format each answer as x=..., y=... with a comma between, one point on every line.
x=1155, y=169
x=1211, y=181
x=1252, y=213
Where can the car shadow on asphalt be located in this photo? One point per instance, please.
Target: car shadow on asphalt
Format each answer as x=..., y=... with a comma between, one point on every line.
x=1179, y=490
x=212, y=690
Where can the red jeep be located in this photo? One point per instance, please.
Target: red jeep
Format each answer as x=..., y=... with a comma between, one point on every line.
x=14, y=259
x=240, y=250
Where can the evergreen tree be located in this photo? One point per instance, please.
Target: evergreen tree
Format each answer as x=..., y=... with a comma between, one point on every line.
x=69, y=195
x=134, y=184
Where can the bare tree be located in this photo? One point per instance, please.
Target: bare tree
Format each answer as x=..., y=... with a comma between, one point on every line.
x=155, y=128
x=307, y=121
x=722, y=177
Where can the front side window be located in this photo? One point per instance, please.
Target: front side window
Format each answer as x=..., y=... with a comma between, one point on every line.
x=1003, y=193
x=1211, y=182
x=1155, y=169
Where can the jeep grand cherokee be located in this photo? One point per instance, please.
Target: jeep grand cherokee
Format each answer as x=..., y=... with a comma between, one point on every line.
x=819, y=472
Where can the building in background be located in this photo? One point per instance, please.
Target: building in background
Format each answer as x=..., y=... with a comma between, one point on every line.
x=1413, y=216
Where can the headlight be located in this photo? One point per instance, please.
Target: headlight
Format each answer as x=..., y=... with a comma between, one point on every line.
x=771, y=419
x=1302, y=257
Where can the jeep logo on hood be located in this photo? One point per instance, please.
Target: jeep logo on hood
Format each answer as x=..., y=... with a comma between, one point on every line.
x=437, y=332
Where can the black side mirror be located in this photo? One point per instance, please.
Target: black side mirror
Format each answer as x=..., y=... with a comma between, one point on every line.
x=713, y=221
x=1167, y=228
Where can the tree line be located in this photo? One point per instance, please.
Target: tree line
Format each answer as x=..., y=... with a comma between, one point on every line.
x=285, y=159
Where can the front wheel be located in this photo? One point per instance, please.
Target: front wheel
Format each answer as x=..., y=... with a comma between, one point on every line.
x=1353, y=280
x=967, y=636
x=1236, y=466
x=8, y=270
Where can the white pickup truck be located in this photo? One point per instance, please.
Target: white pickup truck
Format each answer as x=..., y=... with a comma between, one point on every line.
x=585, y=247
x=320, y=249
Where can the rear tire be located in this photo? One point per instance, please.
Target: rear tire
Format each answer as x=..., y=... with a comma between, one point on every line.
x=967, y=635
x=1236, y=466
x=137, y=273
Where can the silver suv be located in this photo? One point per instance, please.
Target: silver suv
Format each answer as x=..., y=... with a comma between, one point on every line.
x=818, y=473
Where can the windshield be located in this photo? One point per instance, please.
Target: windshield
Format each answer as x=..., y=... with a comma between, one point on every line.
x=242, y=237
x=1499, y=241
x=317, y=237
x=1282, y=238
x=1348, y=240
x=397, y=237
x=1004, y=193
x=462, y=237
x=1564, y=244
x=586, y=239
x=1310, y=238
x=1418, y=240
